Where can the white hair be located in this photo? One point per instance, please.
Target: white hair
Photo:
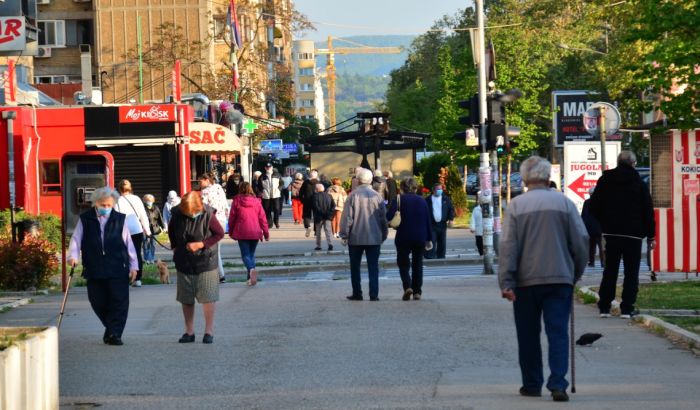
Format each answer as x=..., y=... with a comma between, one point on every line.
x=298, y=175
x=257, y=173
x=627, y=158
x=104, y=192
x=313, y=174
x=320, y=188
x=388, y=174
x=535, y=169
x=377, y=172
x=364, y=176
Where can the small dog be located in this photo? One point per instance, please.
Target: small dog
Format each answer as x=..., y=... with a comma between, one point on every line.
x=163, y=272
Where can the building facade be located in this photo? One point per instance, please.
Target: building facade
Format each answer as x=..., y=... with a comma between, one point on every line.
x=308, y=103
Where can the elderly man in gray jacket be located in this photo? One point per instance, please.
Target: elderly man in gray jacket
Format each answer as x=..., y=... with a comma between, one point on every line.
x=544, y=250
x=363, y=226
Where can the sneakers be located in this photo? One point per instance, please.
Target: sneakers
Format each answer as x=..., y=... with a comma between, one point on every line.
x=352, y=297
x=605, y=315
x=416, y=296
x=222, y=279
x=318, y=248
x=137, y=284
x=529, y=393
x=308, y=232
x=113, y=340
x=559, y=395
x=330, y=248
x=186, y=338
x=208, y=339
x=407, y=294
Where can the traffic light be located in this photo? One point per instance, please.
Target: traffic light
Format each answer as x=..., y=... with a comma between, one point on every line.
x=472, y=105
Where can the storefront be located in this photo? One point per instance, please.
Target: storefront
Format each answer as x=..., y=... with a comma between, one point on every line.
x=213, y=148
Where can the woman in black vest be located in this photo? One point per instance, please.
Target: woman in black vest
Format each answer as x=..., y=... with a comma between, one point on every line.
x=194, y=233
x=109, y=261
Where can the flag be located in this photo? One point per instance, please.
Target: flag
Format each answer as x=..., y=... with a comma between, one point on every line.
x=232, y=21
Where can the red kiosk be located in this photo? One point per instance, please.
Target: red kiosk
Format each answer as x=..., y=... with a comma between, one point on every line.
x=675, y=191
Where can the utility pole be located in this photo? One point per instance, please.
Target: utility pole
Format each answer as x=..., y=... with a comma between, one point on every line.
x=603, y=136
x=485, y=179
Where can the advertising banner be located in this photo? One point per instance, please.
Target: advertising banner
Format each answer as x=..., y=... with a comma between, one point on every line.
x=582, y=167
x=13, y=33
x=147, y=113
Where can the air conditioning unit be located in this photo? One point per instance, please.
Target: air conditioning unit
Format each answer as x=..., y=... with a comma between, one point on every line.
x=43, y=52
x=43, y=1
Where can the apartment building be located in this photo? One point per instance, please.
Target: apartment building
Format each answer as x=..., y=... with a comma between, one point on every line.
x=195, y=29
x=309, y=93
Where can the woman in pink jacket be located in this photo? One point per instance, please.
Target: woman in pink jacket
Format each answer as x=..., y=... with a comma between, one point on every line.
x=247, y=224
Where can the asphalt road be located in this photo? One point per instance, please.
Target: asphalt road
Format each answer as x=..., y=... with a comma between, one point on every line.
x=301, y=345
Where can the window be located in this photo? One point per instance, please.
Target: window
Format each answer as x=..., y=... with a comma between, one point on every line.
x=307, y=103
x=52, y=79
x=306, y=56
x=220, y=28
x=306, y=71
x=50, y=178
x=52, y=33
x=306, y=87
x=78, y=32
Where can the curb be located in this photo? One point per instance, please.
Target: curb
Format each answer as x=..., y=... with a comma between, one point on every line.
x=614, y=305
x=14, y=304
x=671, y=331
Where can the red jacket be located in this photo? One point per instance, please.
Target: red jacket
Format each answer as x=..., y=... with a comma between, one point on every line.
x=247, y=219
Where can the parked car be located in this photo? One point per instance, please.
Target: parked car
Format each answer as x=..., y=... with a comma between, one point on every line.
x=516, y=184
x=472, y=184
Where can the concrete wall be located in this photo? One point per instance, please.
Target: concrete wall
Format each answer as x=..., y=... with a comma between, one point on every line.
x=343, y=164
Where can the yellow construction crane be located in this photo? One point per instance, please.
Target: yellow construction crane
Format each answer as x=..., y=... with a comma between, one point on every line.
x=330, y=66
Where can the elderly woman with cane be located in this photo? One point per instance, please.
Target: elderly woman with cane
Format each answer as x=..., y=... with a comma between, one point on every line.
x=109, y=262
x=544, y=250
x=194, y=233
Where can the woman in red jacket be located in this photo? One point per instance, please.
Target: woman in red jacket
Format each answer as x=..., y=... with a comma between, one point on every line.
x=247, y=224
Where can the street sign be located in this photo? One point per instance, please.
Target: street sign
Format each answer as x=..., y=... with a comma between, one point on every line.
x=271, y=146
x=471, y=139
x=582, y=167
x=591, y=119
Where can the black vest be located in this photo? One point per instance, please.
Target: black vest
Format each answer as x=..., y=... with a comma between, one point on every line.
x=108, y=260
x=183, y=230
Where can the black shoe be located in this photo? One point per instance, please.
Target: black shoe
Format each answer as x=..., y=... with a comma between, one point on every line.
x=374, y=299
x=529, y=393
x=330, y=248
x=186, y=338
x=354, y=297
x=105, y=337
x=591, y=264
x=222, y=280
x=207, y=339
x=560, y=395
x=318, y=248
x=114, y=340
x=407, y=294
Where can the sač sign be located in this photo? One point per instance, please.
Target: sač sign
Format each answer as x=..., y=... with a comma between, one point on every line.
x=147, y=113
x=12, y=34
x=205, y=136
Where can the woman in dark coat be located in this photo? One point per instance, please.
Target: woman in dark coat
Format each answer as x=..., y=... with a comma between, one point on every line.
x=413, y=236
x=109, y=261
x=194, y=233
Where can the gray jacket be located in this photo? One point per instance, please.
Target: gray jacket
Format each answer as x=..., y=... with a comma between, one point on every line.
x=544, y=241
x=364, y=218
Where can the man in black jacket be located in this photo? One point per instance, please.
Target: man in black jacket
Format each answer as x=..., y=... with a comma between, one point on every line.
x=622, y=204
x=442, y=213
x=323, y=209
x=391, y=190
x=306, y=194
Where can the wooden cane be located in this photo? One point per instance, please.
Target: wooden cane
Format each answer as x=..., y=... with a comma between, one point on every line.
x=65, y=298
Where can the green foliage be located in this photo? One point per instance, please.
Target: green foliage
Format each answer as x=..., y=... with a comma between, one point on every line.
x=358, y=93
x=26, y=265
x=428, y=168
x=455, y=189
x=49, y=225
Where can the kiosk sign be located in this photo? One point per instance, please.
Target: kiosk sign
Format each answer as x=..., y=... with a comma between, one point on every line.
x=12, y=34
x=582, y=167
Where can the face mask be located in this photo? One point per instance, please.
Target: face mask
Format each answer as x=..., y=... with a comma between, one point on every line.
x=236, y=180
x=196, y=215
x=438, y=192
x=149, y=204
x=104, y=211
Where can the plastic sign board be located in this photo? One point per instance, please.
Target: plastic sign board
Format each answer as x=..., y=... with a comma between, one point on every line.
x=271, y=146
x=147, y=113
x=205, y=136
x=582, y=167
x=13, y=33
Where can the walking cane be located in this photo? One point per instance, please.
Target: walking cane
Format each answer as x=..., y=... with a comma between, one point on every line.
x=571, y=343
x=65, y=297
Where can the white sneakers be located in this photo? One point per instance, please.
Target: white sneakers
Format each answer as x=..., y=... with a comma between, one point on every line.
x=137, y=284
x=605, y=315
x=308, y=232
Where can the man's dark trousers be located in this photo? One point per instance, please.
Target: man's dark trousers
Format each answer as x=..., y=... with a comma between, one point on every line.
x=109, y=299
x=272, y=211
x=630, y=251
x=480, y=244
x=531, y=305
x=372, y=252
x=439, y=241
x=410, y=256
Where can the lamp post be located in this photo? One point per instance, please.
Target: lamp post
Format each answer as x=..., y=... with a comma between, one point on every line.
x=10, y=116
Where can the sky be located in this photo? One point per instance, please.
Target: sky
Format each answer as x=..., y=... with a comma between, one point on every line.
x=342, y=18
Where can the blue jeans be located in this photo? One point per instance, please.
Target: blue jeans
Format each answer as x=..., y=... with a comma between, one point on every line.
x=372, y=252
x=532, y=304
x=149, y=249
x=247, y=247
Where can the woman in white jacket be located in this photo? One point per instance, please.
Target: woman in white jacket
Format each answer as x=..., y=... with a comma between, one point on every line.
x=476, y=225
x=136, y=221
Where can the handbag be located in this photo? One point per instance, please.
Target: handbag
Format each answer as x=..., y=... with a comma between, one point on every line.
x=396, y=220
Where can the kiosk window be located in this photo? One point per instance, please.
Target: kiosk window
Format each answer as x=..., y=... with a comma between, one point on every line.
x=50, y=178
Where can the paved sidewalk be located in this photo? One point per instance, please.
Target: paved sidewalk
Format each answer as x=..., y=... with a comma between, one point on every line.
x=300, y=344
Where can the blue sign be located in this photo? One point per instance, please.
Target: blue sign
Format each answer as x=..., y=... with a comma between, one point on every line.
x=290, y=147
x=271, y=145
